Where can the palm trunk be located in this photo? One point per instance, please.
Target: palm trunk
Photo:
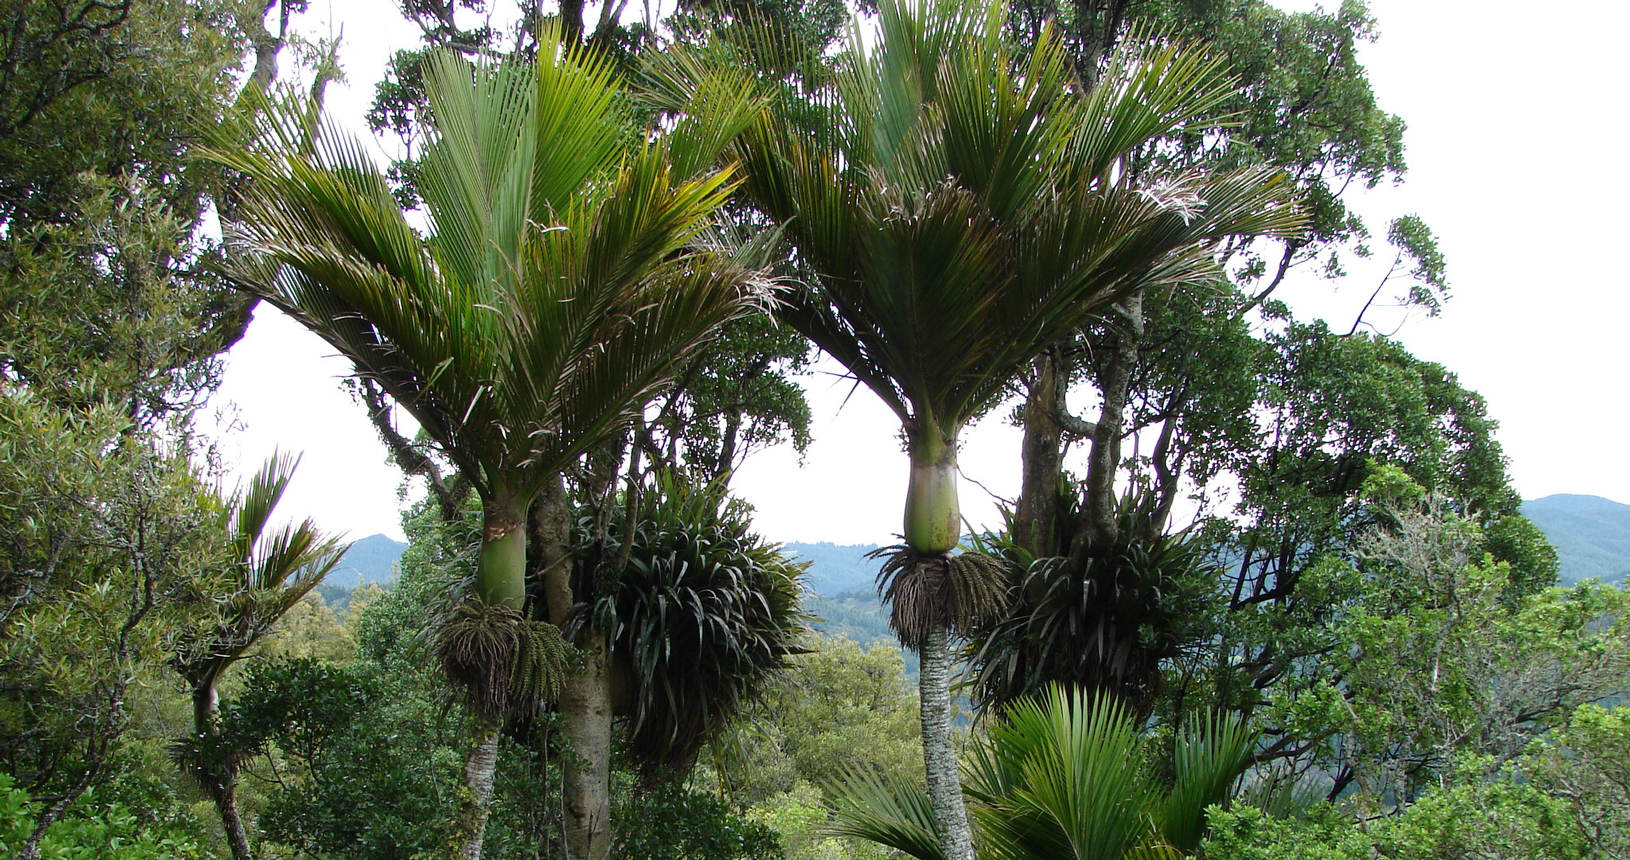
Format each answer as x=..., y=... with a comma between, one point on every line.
x=500, y=579
x=501, y=576
x=219, y=779
x=933, y=521
x=480, y=769
x=933, y=526
x=939, y=753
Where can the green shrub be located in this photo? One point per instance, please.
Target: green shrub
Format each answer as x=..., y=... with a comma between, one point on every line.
x=100, y=829
x=672, y=823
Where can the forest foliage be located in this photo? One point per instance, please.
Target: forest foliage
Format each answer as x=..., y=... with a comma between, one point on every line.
x=1356, y=647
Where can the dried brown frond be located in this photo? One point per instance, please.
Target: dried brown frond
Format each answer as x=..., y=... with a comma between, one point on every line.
x=913, y=585
x=928, y=591
x=979, y=590
x=477, y=646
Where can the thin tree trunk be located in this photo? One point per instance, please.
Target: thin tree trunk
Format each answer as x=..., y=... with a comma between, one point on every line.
x=480, y=767
x=939, y=753
x=42, y=824
x=585, y=695
x=500, y=579
x=1104, y=460
x=585, y=708
x=220, y=779
x=1043, y=463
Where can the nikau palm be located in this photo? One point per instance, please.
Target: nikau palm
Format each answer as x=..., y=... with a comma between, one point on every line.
x=964, y=208
x=557, y=288
x=269, y=571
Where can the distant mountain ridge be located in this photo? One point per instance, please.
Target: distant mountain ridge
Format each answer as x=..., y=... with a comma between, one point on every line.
x=1591, y=534
x=372, y=559
x=836, y=568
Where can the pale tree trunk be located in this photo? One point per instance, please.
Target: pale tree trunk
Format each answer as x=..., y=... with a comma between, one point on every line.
x=500, y=580
x=1104, y=460
x=933, y=517
x=585, y=694
x=939, y=752
x=585, y=707
x=480, y=769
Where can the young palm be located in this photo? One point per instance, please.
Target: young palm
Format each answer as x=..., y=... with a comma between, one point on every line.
x=1063, y=776
x=558, y=287
x=963, y=208
x=268, y=572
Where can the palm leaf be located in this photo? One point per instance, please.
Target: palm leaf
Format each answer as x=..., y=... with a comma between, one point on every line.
x=887, y=809
x=1062, y=777
x=559, y=287
x=1211, y=753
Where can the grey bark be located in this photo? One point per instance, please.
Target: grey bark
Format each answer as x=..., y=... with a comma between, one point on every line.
x=1104, y=460
x=479, y=769
x=585, y=695
x=939, y=753
x=1043, y=457
x=585, y=707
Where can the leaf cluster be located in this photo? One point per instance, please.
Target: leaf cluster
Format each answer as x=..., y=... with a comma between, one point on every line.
x=559, y=288
x=700, y=613
x=1062, y=776
x=964, y=206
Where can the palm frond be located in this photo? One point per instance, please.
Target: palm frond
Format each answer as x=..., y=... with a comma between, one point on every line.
x=559, y=287
x=1064, y=778
x=1212, y=751
x=964, y=207
x=270, y=570
x=887, y=809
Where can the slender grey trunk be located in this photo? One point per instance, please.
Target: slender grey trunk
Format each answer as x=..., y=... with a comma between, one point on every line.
x=1104, y=460
x=585, y=694
x=939, y=753
x=1043, y=462
x=479, y=769
x=219, y=779
x=585, y=709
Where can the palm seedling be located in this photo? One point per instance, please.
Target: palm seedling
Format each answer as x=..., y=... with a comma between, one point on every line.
x=555, y=291
x=267, y=573
x=961, y=208
x=1063, y=777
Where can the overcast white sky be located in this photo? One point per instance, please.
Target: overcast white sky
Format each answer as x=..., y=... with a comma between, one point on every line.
x=1516, y=124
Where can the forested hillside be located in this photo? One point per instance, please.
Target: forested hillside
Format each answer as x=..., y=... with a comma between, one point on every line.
x=1591, y=535
x=372, y=559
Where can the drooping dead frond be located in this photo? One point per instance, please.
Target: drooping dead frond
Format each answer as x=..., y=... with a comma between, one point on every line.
x=913, y=585
x=477, y=646
x=927, y=591
x=979, y=590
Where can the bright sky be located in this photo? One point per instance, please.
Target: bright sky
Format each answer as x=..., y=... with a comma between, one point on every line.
x=1527, y=213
